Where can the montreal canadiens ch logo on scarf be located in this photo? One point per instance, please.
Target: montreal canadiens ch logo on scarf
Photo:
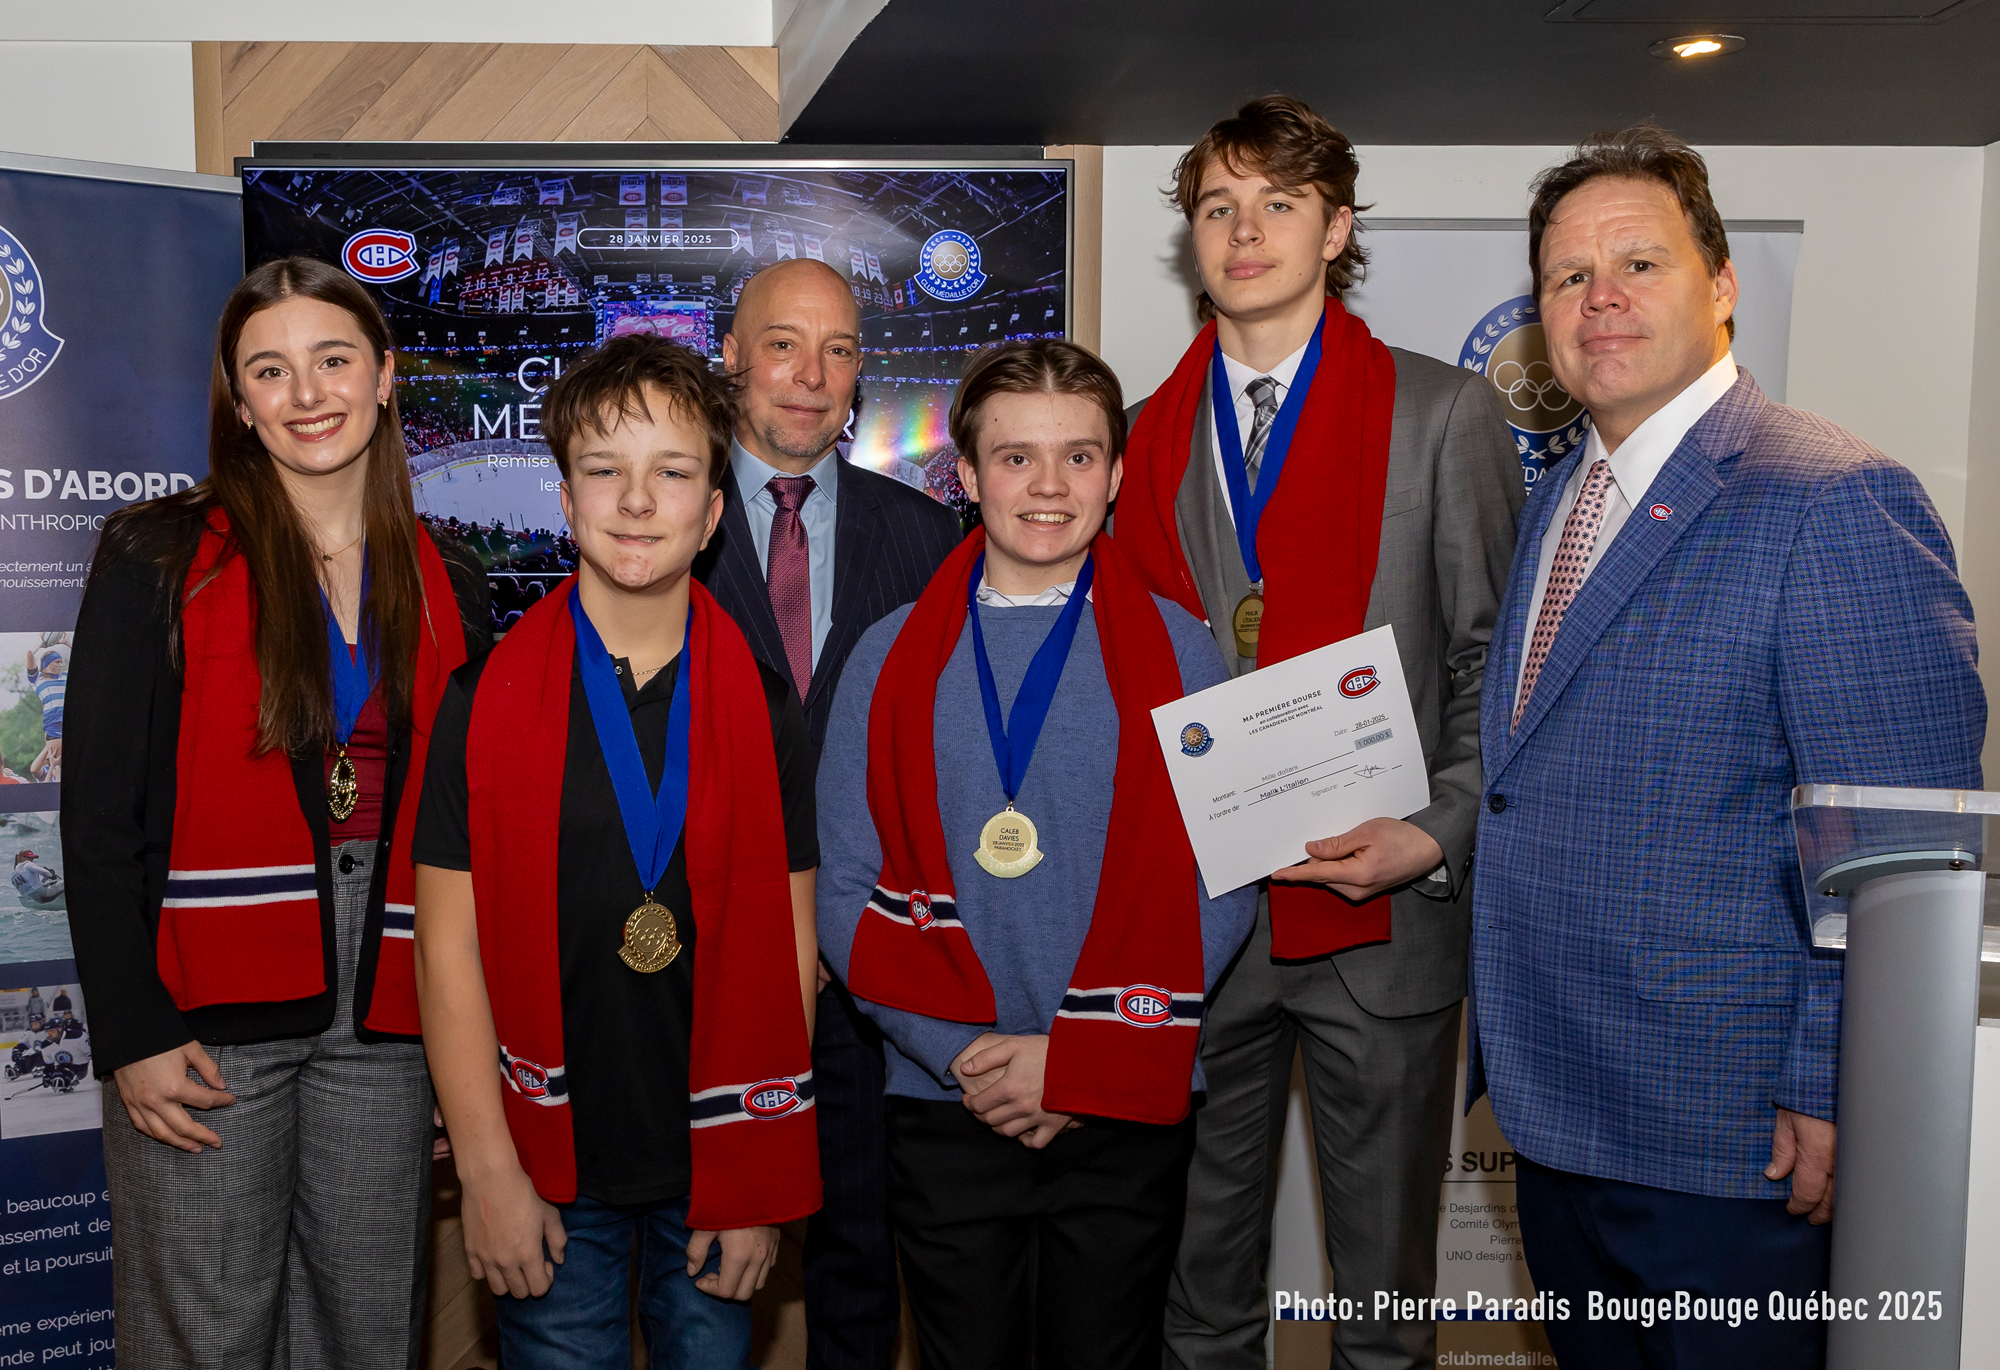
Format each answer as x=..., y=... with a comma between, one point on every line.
x=1146, y=1006
x=771, y=1098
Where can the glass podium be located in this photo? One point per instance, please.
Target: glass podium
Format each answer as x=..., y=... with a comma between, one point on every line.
x=1894, y=884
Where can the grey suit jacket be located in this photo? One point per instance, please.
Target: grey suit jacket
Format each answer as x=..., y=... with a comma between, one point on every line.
x=1453, y=496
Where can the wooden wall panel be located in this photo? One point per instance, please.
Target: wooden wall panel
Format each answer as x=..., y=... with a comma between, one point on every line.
x=477, y=92
x=207, y=104
x=416, y=96
x=1087, y=266
x=469, y=113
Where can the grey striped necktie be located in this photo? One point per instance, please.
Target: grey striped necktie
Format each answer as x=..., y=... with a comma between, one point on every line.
x=1263, y=392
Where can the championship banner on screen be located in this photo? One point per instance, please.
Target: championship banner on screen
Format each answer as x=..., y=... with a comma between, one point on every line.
x=451, y=257
x=83, y=297
x=552, y=192
x=787, y=245
x=632, y=189
x=753, y=190
x=566, y=225
x=670, y=220
x=496, y=247
x=812, y=245
x=673, y=190
x=507, y=195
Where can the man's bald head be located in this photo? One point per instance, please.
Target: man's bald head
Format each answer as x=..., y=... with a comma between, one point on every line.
x=794, y=348
x=794, y=278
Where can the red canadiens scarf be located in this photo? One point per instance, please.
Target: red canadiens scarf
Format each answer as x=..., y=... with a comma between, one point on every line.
x=242, y=918
x=1318, y=542
x=1124, y=1040
x=755, y=1141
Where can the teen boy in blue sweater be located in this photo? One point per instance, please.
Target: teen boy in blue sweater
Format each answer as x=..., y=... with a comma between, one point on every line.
x=1007, y=888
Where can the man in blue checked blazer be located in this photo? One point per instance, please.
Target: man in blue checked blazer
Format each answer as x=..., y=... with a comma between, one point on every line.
x=1717, y=599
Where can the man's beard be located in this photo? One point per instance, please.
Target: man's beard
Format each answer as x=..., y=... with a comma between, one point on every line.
x=783, y=444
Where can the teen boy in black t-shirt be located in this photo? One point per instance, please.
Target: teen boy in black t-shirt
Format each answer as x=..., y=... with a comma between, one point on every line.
x=565, y=1148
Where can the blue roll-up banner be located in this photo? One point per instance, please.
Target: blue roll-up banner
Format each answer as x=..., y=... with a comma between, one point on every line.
x=111, y=280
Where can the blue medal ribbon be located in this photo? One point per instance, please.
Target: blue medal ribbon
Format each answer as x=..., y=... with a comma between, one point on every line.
x=653, y=820
x=1248, y=506
x=1014, y=741
x=353, y=676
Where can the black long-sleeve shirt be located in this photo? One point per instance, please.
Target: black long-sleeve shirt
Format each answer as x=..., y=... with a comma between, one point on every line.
x=123, y=714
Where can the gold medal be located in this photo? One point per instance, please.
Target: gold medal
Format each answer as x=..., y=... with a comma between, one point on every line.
x=652, y=941
x=1007, y=844
x=343, y=788
x=1248, y=618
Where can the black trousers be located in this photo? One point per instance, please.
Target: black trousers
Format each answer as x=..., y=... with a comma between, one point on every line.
x=1055, y=1258
x=1630, y=1242
x=852, y=1304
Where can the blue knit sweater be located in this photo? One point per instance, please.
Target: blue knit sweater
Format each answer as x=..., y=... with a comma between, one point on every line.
x=1029, y=930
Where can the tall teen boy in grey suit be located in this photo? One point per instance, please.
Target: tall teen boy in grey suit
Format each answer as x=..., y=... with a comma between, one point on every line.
x=1359, y=953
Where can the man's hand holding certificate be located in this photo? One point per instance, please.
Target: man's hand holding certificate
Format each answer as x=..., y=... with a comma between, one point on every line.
x=1267, y=766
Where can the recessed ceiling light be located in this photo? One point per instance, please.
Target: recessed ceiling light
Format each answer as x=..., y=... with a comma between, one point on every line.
x=1692, y=45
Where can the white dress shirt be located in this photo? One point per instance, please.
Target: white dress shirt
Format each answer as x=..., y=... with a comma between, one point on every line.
x=1634, y=467
x=1055, y=594
x=1240, y=376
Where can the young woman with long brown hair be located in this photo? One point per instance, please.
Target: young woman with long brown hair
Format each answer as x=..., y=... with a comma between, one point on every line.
x=260, y=659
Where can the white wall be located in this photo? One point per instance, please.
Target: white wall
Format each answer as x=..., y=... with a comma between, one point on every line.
x=1979, y=556
x=740, y=23
x=131, y=103
x=1883, y=308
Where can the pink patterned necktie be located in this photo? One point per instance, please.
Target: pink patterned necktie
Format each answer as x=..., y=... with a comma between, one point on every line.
x=1579, y=536
x=788, y=576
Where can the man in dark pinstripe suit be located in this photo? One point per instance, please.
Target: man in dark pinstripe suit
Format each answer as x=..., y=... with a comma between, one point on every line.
x=810, y=553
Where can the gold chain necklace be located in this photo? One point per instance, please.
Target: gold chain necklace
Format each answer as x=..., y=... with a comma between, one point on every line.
x=329, y=556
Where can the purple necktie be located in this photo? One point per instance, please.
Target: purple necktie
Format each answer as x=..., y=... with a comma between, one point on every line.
x=788, y=576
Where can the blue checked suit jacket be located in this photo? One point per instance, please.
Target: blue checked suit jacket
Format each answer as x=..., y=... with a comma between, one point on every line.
x=1645, y=989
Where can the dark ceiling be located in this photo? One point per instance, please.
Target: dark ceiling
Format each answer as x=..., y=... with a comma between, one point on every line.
x=1415, y=71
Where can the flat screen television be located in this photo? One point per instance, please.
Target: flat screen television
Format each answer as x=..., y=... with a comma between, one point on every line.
x=496, y=272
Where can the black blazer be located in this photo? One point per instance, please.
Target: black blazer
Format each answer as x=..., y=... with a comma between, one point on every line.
x=123, y=717
x=888, y=541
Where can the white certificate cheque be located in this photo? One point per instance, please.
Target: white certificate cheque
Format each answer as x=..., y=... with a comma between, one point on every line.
x=1290, y=753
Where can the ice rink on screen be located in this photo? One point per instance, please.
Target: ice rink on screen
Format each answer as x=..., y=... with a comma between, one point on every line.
x=488, y=485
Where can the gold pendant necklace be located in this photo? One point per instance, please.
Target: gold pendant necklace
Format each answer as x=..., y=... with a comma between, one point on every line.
x=343, y=787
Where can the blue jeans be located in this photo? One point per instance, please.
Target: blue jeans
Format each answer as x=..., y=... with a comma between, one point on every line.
x=584, y=1321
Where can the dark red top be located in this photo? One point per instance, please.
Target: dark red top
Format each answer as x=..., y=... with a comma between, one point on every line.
x=368, y=749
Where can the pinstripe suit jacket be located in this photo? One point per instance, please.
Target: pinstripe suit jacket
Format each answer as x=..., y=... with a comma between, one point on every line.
x=888, y=540
x=1644, y=983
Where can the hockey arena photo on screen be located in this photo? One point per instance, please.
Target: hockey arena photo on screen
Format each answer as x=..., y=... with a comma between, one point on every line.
x=494, y=278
